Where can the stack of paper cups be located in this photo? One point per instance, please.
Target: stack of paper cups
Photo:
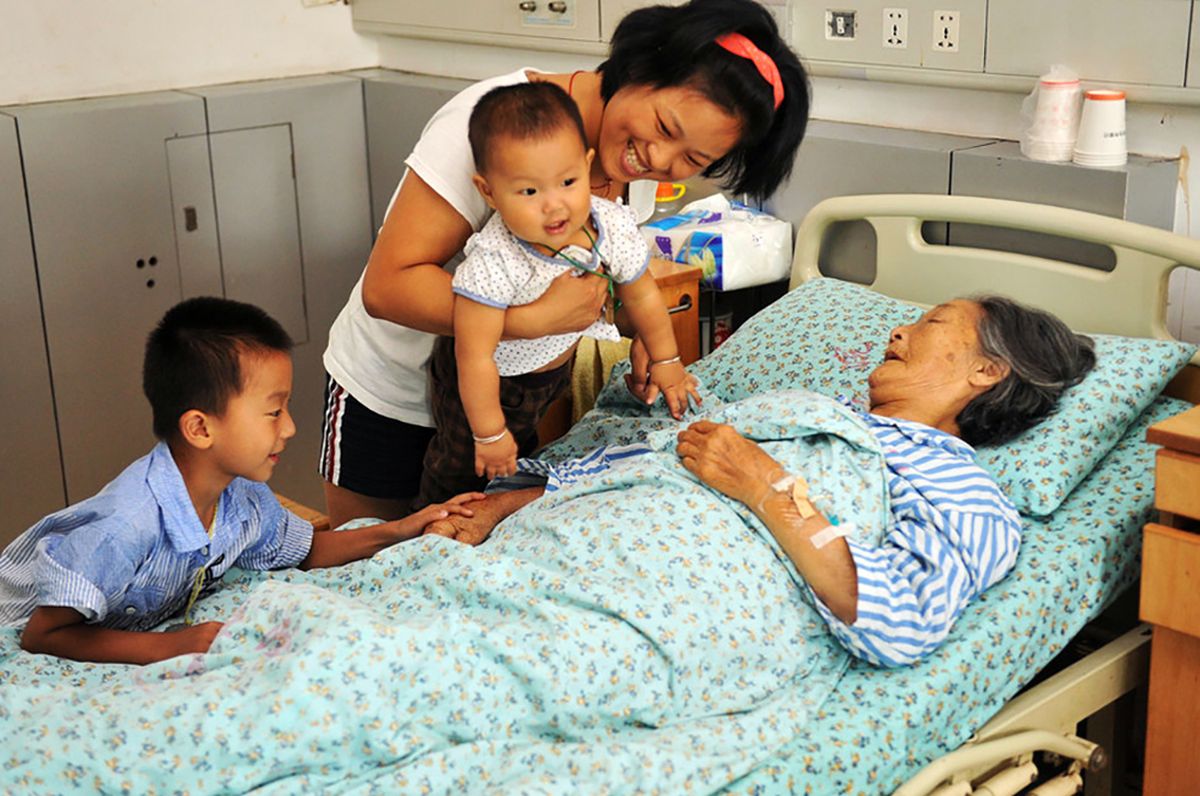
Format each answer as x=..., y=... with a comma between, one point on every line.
x=1055, y=119
x=1101, y=139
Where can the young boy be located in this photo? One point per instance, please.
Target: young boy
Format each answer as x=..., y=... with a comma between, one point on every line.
x=87, y=582
x=532, y=162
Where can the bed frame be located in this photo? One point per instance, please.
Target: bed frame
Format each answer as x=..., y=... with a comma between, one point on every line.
x=1129, y=300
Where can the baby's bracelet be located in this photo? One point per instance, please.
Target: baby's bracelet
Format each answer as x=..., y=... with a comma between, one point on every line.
x=670, y=361
x=491, y=439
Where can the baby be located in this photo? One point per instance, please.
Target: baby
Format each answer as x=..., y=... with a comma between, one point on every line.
x=532, y=162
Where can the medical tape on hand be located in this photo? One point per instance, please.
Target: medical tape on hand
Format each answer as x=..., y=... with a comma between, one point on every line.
x=827, y=535
x=781, y=484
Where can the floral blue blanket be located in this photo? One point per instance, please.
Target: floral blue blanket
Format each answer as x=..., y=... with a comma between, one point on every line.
x=633, y=633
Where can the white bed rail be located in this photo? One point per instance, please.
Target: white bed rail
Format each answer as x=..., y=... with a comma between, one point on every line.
x=1044, y=718
x=1129, y=300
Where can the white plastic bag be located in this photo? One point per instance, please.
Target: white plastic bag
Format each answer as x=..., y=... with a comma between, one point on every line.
x=736, y=246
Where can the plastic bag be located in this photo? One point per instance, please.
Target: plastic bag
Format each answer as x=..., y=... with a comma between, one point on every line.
x=1051, y=113
x=737, y=246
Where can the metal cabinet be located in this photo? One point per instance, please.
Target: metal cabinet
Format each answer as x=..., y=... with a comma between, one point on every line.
x=839, y=159
x=1107, y=40
x=31, y=480
x=257, y=192
x=1142, y=191
x=289, y=164
x=100, y=207
x=397, y=106
x=485, y=21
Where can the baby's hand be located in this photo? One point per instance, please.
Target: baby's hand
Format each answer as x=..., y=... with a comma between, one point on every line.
x=676, y=386
x=496, y=459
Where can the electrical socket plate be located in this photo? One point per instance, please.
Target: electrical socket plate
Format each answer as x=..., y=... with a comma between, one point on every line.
x=945, y=31
x=840, y=25
x=895, y=28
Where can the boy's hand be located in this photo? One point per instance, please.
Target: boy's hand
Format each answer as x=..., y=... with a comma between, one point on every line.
x=411, y=526
x=192, y=639
x=676, y=386
x=497, y=458
x=61, y=631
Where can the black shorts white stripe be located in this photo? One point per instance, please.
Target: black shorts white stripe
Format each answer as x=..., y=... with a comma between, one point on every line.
x=366, y=452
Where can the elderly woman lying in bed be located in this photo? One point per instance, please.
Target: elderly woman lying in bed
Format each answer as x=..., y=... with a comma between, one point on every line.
x=969, y=372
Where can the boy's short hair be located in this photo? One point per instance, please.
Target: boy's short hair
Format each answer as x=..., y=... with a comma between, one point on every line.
x=193, y=357
x=522, y=111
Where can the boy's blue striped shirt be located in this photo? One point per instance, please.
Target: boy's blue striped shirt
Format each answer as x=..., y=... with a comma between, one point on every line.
x=127, y=557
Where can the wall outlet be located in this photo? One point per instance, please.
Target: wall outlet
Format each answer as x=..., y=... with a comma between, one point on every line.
x=895, y=28
x=945, y=31
x=840, y=25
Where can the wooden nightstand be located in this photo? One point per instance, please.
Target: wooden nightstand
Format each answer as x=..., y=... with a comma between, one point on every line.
x=680, y=288
x=319, y=521
x=1170, y=600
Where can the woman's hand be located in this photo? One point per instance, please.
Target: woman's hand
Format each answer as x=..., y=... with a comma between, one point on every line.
x=413, y=525
x=474, y=528
x=488, y=513
x=637, y=380
x=571, y=304
x=726, y=461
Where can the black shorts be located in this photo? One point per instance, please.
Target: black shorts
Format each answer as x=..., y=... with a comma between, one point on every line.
x=366, y=452
x=450, y=458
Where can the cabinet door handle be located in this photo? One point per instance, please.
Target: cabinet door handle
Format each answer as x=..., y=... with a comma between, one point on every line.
x=189, y=219
x=528, y=6
x=557, y=6
x=685, y=304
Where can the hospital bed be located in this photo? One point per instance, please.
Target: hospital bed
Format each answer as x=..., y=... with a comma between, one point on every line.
x=962, y=707
x=1129, y=300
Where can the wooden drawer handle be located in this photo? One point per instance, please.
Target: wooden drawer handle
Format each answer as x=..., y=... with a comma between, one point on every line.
x=685, y=304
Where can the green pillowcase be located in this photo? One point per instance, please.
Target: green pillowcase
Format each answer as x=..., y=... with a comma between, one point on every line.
x=827, y=335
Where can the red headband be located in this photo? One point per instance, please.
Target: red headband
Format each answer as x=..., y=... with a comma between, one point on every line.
x=738, y=44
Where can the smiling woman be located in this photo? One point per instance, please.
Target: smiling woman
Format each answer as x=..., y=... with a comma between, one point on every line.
x=707, y=87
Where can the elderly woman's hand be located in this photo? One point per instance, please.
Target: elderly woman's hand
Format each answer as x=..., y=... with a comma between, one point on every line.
x=728, y=462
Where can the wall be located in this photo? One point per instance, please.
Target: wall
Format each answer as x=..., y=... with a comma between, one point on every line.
x=63, y=49
x=1156, y=130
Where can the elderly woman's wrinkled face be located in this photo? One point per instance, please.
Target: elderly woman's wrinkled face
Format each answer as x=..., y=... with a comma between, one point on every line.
x=939, y=352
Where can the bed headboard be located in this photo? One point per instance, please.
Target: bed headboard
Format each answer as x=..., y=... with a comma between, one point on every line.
x=1130, y=300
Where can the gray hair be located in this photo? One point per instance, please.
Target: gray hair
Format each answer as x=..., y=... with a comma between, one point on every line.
x=1044, y=358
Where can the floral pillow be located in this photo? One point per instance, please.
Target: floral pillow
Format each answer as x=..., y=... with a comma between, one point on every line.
x=827, y=335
